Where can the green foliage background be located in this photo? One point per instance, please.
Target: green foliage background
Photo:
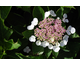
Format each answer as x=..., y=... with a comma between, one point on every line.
x=14, y=34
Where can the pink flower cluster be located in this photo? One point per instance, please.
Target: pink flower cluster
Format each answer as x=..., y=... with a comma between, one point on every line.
x=50, y=28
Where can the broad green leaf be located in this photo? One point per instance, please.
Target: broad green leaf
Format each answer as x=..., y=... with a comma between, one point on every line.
x=5, y=32
x=4, y=11
x=47, y=52
x=55, y=54
x=73, y=47
x=36, y=49
x=75, y=35
x=38, y=12
x=68, y=7
x=59, y=13
x=10, y=45
x=28, y=33
x=26, y=8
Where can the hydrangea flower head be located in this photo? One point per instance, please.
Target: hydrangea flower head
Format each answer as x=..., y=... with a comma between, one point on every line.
x=50, y=32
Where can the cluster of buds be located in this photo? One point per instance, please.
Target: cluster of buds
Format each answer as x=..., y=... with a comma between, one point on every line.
x=50, y=31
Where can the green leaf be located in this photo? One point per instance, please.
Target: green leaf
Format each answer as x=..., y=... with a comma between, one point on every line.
x=68, y=7
x=4, y=11
x=47, y=52
x=10, y=45
x=5, y=32
x=26, y=8
x=36, y=49
x=59, y=13
x=16, y=45
x=38, y=12
x=55, y=54
x=75, y=35
x=28, y=33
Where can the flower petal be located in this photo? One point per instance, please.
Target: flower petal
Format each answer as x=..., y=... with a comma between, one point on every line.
x=30, y=27
x=47, y=14
x=56, y=48
x=68, y=32
x=73, y=30
x=38, y=42
x=66, y=20
x=34, y=22
x=32, y=38
x=63, y=43
x=66, y=37
x=50, y=46
x=44, y=44
x=52, y=13
x=65, y=15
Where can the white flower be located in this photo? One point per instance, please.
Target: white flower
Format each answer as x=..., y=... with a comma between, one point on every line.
x=34, y=22
x=70, y=30
x=63, y=43
x=30, y=27
x=47, y=14
x=57, y=44
x=44, y=44
x=66, y=37
x=38, y=42
x=65, y=20
x=56, y=48
x=65, y=16
x=52, y=13
x=27, y=49
x=32, y=38
x=73, y=30
x=50, y=46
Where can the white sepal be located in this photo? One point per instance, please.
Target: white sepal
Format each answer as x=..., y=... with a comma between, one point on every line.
x=63, y=43
x=56, y=48
x=66, y=20
x=50, y=46
x=34, y=22
x=66, y=37
x=44, y=44
x=47, y=14
x=52, y=13
x=68, y=32
x=69, y=27
x=63, y=20
x=30, y=27
x=73, y=30
x=65, y=16
x=32, y=38
x=38, y=42
x=57, y=44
